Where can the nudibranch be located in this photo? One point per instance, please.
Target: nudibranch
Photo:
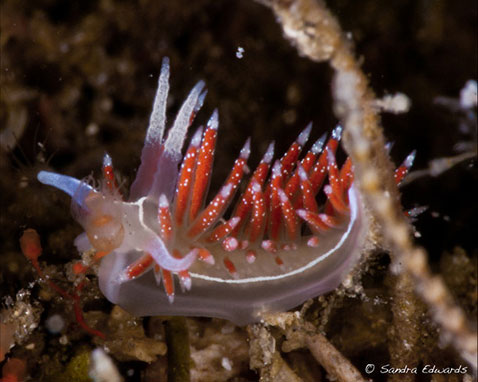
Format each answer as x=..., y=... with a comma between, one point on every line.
x=276, y=248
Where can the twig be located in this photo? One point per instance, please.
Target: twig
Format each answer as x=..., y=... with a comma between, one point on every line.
x=439, y=165
x=177, y=340
x=332, y=360
x=404, y=334
x=300, y=333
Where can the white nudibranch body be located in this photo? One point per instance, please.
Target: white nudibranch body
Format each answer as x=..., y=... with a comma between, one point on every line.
x=276, y=248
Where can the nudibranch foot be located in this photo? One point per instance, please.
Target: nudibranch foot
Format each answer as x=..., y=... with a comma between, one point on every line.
x=270, y=248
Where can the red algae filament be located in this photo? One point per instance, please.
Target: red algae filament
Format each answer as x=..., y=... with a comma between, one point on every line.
x=31, y=249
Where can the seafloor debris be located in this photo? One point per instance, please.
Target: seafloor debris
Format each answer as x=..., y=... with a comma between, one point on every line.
x=218, y=351
x=18, y=320
x=126, y=339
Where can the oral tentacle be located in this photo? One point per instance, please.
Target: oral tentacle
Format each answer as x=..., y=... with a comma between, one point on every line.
x=77, y=189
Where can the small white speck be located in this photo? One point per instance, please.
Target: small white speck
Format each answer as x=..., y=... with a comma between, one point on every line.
x=468, y=98
x=226, y=363
x=240, y=52
x=92, y=129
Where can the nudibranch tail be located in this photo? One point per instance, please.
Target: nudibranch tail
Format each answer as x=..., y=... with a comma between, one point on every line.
x=270, y=248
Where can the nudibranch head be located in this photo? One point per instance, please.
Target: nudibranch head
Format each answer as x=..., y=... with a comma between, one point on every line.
x=103, y=222
x=270, y=247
